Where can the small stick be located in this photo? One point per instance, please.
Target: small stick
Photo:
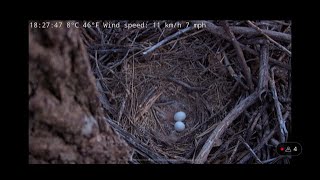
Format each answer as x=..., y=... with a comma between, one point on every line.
x=245, y=31
x=187, y=86
x=274, y=142
x=122, y=107
x=280, y=64
x=234, y=88
x=270, y=39
x=282, y=124
x=242, y=61
x=253, y=125
x=96, y=60
x=231, y=71
x=251, y=151
x=271, y=60
x=147, y=105
x=271, y=160
x=257, y=148
x=263, y=70
x=234, y=152
x=103, y=98
x=152, y=48
x=214, y=138
x=219, y=31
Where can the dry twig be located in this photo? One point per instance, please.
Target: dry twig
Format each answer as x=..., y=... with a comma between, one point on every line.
x=152, y=48
x=260, y=145
x=270, y=39
x=282, y=124
x=214, y=139
x=242, y=61
x=264, y=70
x=251, y=151
x=232, y=73
x=245, y=31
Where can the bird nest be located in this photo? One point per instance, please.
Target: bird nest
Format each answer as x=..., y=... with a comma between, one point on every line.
x=141, y=92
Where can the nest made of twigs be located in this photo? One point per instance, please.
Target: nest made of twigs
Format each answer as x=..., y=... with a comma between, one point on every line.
x=187, y=74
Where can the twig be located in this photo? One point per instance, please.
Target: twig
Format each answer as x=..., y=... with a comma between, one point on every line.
x=97, y=65
x=207, y=131
x=271, y=60
x=147, y=96
x=231, y=71
x=103, y=98
x=257, y=148
x=234, y=88
x=245, y=31
x=234, y=152
x=280, y=64
x=274, y=142
x=219, y=151
x=187, y=86
x=122, y=107
x=127, y=53
x=253, y=125
x=214, y=139
x=220, y=32
x=270, y=39
x=263, y=70
x=242, y=61
x=152, y=48
x=93, y=31
x=265, y=117
x=147, y=105
x=272, y=160
x=282, y=124
x=251, y=151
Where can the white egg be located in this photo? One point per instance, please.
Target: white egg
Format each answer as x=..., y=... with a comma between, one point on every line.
x=180, y=116
x=179, y=126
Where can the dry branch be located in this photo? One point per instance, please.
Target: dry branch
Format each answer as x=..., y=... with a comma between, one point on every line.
x=234, y=152
x=255, y=117
x=251, y=151
x=217, y=30
x=282, y=124
x=242, y=61
x=264, y=70
x=232, y=73
x=152, y=48
x=246, y=31
x=270, y=39
x=103, y=98
x=214, y=139
x=185, y=85
x=257, y=148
